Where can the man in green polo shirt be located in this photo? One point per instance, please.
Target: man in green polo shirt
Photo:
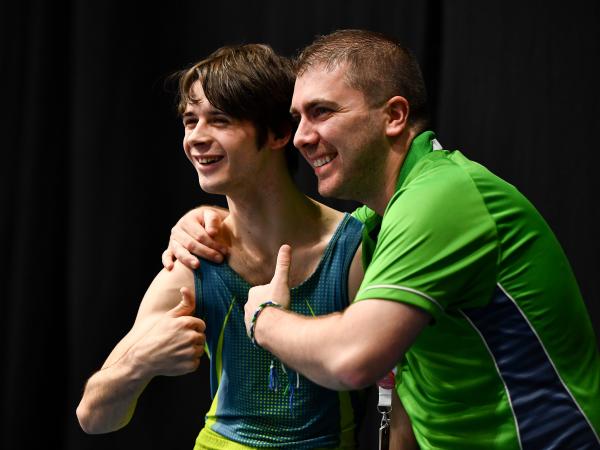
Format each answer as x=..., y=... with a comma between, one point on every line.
x=466, y=291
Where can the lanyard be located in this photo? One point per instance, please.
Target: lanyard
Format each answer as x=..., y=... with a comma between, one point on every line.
x=384, y=406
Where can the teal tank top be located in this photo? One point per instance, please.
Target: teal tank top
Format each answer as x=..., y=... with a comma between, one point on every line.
x=257, y=401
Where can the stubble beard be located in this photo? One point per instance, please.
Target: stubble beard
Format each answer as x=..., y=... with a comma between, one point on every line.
x=356, y=180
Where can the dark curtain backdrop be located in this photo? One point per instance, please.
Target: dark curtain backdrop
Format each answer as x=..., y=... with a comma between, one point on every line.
x=92, y=175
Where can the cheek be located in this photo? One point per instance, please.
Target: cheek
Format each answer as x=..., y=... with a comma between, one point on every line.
x=186, y=146
x=342, y=133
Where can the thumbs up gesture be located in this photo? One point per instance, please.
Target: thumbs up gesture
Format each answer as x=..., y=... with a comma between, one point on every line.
x=174, y=345
x=278, y=290
x=186, y=306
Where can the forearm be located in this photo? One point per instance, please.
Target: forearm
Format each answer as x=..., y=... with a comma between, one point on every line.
x=324, y=350
x=293, y=339
x=110, y=398
x=347, y=350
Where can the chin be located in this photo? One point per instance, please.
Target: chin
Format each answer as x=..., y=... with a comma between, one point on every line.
x=330, y=190
x=340, y=191
x=211, y=188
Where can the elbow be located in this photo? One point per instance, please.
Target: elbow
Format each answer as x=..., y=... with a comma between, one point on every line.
x=357, y=379
x=353, y=373
x=90, y=423
x=354, y=381
x=85, y=420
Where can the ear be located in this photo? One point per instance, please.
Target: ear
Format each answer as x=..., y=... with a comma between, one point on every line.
x=279, y=141
x=396, y=110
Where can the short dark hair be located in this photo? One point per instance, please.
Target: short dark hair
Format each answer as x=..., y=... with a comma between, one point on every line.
x=248, y=82
x=378, y=66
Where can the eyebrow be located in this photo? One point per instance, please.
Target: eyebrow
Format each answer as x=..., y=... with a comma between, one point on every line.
x=311, y=104
x=211, y=112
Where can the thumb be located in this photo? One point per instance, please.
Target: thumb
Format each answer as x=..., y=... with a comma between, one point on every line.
x=282, y=268
x=186, y=306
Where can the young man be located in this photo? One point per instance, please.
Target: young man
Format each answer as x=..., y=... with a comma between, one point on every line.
x=467, y=290
x=235, y=110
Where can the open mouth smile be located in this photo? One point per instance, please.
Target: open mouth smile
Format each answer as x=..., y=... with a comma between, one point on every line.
x=320, y=162
x=208, y=160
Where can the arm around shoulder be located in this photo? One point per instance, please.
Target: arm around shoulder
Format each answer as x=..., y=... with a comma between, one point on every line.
x=370, y=338
x=343, y=351
x=196, y=233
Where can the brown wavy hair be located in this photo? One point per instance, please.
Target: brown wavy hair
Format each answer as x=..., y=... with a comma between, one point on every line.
x=248, y=82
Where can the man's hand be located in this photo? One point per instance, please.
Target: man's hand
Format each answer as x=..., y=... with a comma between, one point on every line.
x=174, y=345
x=194, y=234
x=277, y=290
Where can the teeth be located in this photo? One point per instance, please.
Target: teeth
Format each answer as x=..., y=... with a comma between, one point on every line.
x=209, y=160
x=321, y=161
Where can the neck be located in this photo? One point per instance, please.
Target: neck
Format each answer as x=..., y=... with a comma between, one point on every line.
x=382, y=195
x=266, y=215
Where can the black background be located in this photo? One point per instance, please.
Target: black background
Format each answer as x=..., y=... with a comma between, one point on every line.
x=92, y=175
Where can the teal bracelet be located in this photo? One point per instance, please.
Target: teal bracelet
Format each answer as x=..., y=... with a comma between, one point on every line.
x=256, y=314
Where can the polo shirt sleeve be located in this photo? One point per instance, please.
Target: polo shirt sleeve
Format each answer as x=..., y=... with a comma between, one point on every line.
x=437, y=248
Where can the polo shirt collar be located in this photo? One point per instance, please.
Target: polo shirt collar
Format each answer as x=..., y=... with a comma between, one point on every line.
x=421, y=145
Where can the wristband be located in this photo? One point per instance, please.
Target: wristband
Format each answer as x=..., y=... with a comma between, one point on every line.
x=257, y=313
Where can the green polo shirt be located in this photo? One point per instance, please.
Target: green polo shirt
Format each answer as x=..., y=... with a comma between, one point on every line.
x=510, y=359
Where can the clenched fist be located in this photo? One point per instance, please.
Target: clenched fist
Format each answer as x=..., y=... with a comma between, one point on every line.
x=174, y=345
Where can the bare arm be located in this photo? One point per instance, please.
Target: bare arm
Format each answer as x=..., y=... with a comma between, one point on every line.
x=196, y=233
x=164, y=340
x=346, y=350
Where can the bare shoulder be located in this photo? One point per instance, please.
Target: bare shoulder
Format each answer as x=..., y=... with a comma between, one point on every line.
x=311, y=243
x=163, y=293
x=330, y=219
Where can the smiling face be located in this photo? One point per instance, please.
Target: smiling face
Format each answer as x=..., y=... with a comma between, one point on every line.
x=222, y=149
x=339, y=134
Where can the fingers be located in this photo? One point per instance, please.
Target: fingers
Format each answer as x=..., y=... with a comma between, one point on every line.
x=168, y=259
x=282, y=268
x=197, y=325
x=203, y=225
x=194, y=234
x=193, y=324
x=183, y=246
x=186, y=244
x=183, y=256
x=200, y=341
x=198, y=349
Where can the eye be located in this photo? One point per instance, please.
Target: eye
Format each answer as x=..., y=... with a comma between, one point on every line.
x=220, y=120
x=189, y=122
x=320, y=112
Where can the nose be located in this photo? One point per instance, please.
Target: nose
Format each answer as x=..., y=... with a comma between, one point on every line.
x=305, y=134
x=198, y=136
